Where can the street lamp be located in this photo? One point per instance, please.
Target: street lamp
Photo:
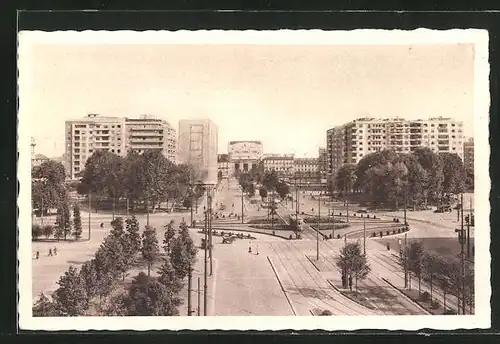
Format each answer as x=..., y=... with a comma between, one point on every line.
x=319, y=222
x=462, y=240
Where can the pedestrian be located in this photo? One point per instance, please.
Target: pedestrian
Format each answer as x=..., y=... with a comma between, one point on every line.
x=55, y=251
x=37, y=254
x=102, y=225
x=50, y=252
x=257, y=249
x=250, y=248
x=350, y=282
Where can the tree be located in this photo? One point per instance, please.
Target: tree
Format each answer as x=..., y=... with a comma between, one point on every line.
x=117, y=257
x=89, y=278
x=454, y=174
x=219, y=176
x=270, y=180
x=430, y=267
x=70, y=297
x=47, y=231
x=168, y=277
x=133, y=236
x=36, y=231
x=352, y=262
x=117, y=230
x=251, y=190
x=187, y=202
x=47, y=186
x=433, y=165
x=44, y=307
x=416, y=178
x=414, y=261
x=77, y=222
x=263, y=192
x=168, y=236
x=150, y=250
x=345, y=178
x=282, y=189
x=183, y=253
x=443, y=279
x=148, y=297
x=63, y=221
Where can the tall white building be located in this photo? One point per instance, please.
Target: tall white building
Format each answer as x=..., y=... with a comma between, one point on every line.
x=350, y=142
x=197, y=146
x=114, y=134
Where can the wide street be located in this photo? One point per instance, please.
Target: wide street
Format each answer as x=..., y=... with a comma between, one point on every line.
x=284, y=278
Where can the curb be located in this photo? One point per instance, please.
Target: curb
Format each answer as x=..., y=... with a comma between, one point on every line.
x=281, y=285
x=406, y=296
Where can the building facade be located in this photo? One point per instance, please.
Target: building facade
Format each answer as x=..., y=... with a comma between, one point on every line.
x=322, y=164
x=84, y=137
x=282, y=165
x=350, y=142
x=197, y=146
x=224, y=169
x=38, y=159
x=245, y=155
x=147, y=133
x=306, y=168
x=469, y=154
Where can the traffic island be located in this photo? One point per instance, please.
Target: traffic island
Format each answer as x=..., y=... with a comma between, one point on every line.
x=354, y=296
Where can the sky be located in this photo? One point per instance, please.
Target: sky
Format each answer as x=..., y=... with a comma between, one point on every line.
x=286, y=96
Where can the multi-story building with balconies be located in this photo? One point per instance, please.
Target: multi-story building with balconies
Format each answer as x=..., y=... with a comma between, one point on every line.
x=147, y=133
x=469, y=154
x=350, y=142
x=117, y=135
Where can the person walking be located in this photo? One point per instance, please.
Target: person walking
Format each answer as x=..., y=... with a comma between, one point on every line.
x=37, y=255
x=55, y=251
x=250, y=247
x=257, y=248
x=50, y=252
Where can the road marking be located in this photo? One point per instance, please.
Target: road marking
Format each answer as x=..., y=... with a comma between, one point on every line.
x=281, y=285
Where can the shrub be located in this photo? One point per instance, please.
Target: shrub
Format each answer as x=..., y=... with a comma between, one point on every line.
x=338, y=236
x=449, y=312
x=325, y=312
x=36, y=231
x=373, y=235
x=290, y=237
x=394, y=232
x=434, y=304
x=425, y=296
x=399, y=230
x=381, y=234
x=387, y=233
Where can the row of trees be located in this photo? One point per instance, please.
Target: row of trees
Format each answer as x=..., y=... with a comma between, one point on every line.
x=64, y=226
x=385, y=177
x=99, y=277
x=269, y=182
x=437, y=271
x=147, y=178
x=353, y=264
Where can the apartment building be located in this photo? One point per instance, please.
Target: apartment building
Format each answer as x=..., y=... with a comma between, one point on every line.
x=283, y=165
x=90, y=134
x=469, y=154
x=148, y=132
x=306, y=168
x=322, y=163
x=350, y=142
x=197, y=146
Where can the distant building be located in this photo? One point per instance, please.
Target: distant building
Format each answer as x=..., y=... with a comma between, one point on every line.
x=350, y=142
x=116, y=135
x=245, y=155
x=224, y=166
x=197, y=146
x=322, y=163
x=38, y=159
x=306, y=168
x=282, y=165
x=469, y=154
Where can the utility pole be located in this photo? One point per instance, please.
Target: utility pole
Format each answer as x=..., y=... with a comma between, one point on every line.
x=199, y=297
x=333, y=216
x=189, y=311
x=406, y=199
x=205, y=268
x=113, y=208
x=364, y=235
x=90, y=209
x=317, y=230
x=210, y=229
x=127, y=206
x=462, y=253
x=192, y=194
x=242, y=215
x=406, y=260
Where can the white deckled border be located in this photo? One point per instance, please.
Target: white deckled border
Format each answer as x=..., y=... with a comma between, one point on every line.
x=482, y=319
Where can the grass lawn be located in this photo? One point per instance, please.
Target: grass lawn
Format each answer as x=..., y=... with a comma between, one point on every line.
x=445, y=247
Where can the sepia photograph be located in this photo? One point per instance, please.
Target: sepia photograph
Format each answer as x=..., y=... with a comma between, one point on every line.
x=254, y=180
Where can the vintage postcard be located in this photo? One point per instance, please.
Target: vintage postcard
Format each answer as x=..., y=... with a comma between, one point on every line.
x=265, y=180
